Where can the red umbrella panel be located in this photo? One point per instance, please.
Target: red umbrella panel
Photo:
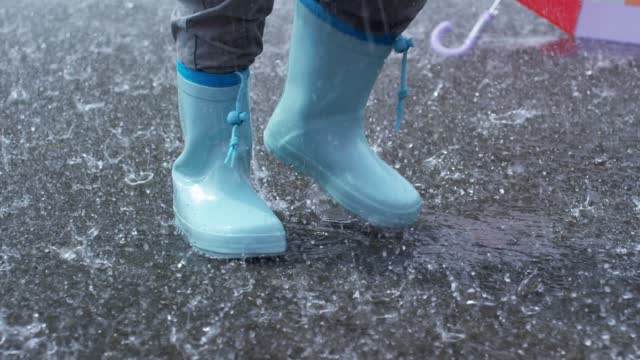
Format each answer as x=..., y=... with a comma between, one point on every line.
x=615, y=20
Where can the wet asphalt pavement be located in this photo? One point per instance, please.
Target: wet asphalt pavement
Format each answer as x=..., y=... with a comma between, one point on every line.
x=526, y=153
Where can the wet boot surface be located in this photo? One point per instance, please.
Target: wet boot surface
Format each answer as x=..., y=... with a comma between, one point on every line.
x=526, y=153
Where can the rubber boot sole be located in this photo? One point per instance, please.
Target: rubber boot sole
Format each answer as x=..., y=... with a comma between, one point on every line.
x=232, y=247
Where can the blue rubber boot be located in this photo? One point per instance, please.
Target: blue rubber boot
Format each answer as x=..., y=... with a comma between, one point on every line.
x=318, y=126
x=215, y=205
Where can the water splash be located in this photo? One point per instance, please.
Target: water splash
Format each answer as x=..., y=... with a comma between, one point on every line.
x=134, y=177
x=514, y=117
x=17, y=95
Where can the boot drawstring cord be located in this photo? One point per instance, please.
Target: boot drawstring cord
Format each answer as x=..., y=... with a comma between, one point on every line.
x=402, y=45
x=236, y=118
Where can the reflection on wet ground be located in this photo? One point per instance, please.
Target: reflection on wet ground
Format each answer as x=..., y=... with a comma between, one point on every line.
x=526, y=153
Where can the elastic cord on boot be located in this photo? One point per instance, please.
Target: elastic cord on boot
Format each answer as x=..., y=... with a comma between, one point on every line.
x=235, y=118
x=402, y=46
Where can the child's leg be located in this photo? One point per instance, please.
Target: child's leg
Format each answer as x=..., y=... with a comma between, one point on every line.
x=219, y=36
x=375, y=17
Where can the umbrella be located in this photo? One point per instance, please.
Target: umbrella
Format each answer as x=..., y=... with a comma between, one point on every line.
x=615, y=20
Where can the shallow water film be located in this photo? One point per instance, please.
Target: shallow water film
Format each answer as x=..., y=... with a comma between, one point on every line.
x=526, y=153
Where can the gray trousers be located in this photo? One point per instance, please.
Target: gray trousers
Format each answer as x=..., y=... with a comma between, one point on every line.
x=222, y=36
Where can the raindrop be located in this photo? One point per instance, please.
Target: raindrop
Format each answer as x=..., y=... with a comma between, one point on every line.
x=17, y=95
